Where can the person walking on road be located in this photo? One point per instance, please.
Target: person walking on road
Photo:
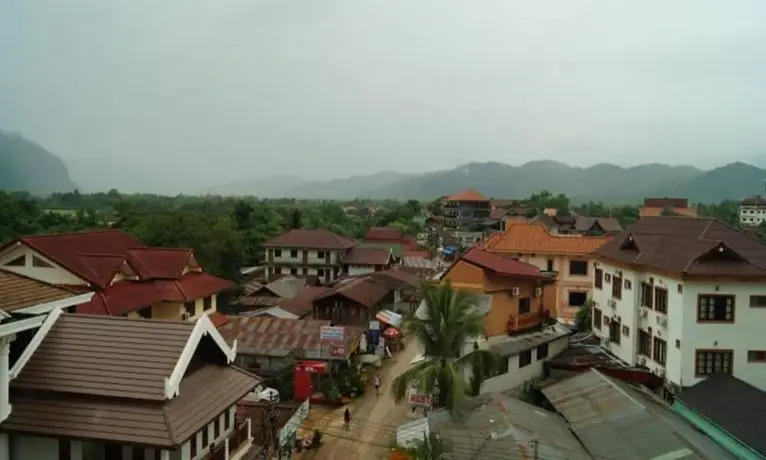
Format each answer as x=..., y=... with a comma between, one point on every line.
x=346, y=420
x=376, y=380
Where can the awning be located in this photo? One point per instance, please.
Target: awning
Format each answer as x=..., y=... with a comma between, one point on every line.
x=320, y=367
x=390, y=318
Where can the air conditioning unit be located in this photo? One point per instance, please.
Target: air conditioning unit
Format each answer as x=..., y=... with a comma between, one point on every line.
x=662, y=321
x=604, y=340
x=606, y=320
x=643, y=312
x=612, y=303
x=515, y=291
x=538, y=292
x=641, y=360
x=660, y=372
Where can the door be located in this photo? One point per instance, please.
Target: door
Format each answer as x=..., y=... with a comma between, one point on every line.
x=303, y=388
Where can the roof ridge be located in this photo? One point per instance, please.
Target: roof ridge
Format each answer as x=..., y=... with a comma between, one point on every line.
x=80, y=232
x=161, y=248
x=704, y=231
x=99, y=254
x=169, y=426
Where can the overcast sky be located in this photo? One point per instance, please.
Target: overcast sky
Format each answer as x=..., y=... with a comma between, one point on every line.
x=330, y=88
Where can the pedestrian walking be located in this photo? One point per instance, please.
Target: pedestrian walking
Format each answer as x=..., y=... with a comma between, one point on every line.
x=346, y=420
x=377, y=384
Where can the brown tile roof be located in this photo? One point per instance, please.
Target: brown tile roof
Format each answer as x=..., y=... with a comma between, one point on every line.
x=467, y=195
x=17, y=291
x=300, y=305
x=649, y=211
x=383, y=234
x=504, y=203
x=500, y=265
x=106, y=356
x=666, y=202
x=366, y=291
x=755, y=200
x=533, y=238
x=203, y=396
x=367, y=256
x=312, y=239
x=608, y=224
x=267, y=336
x=687, y=246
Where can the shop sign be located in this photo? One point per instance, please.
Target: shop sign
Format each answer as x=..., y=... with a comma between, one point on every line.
x=332, y=333
x=420, y=399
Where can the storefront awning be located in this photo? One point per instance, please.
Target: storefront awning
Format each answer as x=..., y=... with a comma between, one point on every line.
x=390, y=318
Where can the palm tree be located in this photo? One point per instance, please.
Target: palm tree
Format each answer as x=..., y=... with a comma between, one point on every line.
x=449, y=320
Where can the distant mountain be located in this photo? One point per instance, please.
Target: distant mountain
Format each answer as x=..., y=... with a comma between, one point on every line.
x=26, y=166
x=731, y=182
x=295, y=187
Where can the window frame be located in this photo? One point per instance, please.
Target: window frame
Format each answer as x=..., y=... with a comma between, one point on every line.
x=277, y=253
x=525, y=358
x=207, y=302
x=645, y=343
x=647, y=294
x=617, y=287
x=598, y=278
x=576, y=273
x=293, y=253
x=615, y=331
x=528, y=303
x=713, y=353
x=752, y=297
x=756, y=356
x=542, y=347
x=661, y=293
x=714, y=320
x=190, y=308
x=659, y=350
x=598, y=323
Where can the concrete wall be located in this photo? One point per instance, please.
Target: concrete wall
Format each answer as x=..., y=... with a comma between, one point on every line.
x=517, y=376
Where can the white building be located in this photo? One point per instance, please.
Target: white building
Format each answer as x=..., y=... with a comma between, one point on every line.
x=685, y=298
x=752, y=211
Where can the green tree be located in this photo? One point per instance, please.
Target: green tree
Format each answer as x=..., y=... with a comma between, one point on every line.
x=584, y=318
x=431, y=447
x=450, y=320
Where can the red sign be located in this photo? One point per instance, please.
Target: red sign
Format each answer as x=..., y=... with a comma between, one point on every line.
x=420, y=399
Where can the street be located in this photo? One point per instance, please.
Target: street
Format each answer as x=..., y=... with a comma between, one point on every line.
x=373, y=419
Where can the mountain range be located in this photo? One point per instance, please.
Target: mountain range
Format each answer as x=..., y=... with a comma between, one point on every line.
x=603, y=182
x=26, y=166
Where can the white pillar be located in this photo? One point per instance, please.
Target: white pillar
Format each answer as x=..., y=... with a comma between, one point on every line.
x=164, y=455
x=226, y=449
x=5, y=372
x=5, y=450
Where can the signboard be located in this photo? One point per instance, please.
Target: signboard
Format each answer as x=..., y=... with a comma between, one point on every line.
x=295, y=421
x=420, y=399
x=338, y=352
x=332, y=333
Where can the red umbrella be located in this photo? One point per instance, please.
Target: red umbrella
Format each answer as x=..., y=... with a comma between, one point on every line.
x=392, y=333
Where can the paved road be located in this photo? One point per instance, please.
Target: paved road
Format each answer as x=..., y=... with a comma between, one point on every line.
x=374, y=419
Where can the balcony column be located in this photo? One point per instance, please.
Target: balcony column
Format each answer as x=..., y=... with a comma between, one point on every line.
x=249, y=430
x=164, y=455
x=226, y=449
x=5, y=372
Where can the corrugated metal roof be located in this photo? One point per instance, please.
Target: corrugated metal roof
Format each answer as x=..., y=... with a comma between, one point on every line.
x=615, y=421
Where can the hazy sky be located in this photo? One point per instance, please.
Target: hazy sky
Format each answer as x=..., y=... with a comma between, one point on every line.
x=325, y=88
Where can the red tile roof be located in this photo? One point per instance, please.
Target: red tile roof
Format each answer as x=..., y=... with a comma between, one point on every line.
x=160, y=263
x=80, y=252
x=218, y=319
x=467, y=195
x=127, y=296
x=384, y=234
x=500, y=265
x=312, y=239
x=367, y=256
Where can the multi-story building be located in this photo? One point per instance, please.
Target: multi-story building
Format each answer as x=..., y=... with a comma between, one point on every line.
x=564, y=258
x=752, y=211
x=127, y=277
x=465, y=215
x=685, y=298
x=303, y=252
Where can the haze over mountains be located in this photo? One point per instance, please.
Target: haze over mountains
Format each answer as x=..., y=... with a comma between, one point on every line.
x=27, y=166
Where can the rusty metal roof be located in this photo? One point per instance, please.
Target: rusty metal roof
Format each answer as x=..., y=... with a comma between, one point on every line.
x=203, y=396
x=17, y=292
x=106, y=356
x=268, y=336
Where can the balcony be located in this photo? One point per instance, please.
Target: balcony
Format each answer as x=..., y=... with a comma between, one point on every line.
x=524, y=323
x=236, y=447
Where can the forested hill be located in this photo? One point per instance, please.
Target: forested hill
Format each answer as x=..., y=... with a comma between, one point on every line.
x=26, y=166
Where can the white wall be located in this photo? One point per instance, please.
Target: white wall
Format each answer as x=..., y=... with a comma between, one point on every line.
x=53, y=275
x=752, y=215
x=515, y=377
x=746, y=333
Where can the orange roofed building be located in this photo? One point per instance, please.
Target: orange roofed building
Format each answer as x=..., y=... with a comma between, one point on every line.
x=563, y=258
x=654, y=207
x=127, y=277
x=465, y=215
x=507, y=290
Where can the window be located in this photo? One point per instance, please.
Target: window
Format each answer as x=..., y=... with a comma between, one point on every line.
x=145, y=313
x=320, y=272
x=597, y=319
x=617, y=287
x=40, y=263
x=226, y=422
x=715, y=308
x=542, y=351
x=277, y=253
x=113, y=451
x=500, y=369
x=320, y=255
x=293, y=254
x=305, y=271
x=661, y=300
x=758, y=301
x=17, y=262
x=660, y=350
x=680, y=288
x=277, y=270
x=525, y=358
x=577, y=299
x=65, y=449
x=626, y=331
x=678, y=344
x=190, y=308
x=709, y=362
x=598, y=281
x=647, y=295
x=607, y=277
x=217, y=428
x=205, y=436
x=645, y=343
x=525, y=305
x=207, y=302
x=193, y=445
x=756, y=356
x=578, y=267
x=614, y=331
x=549, y=265
x=628, y=285
x=293, y=271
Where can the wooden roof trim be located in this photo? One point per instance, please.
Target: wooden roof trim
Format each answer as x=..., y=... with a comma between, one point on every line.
x=203, y=328
x=676, y=274
x=56, y=304
x=38, y=338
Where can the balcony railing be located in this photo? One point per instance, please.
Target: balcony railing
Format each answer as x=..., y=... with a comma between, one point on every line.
x=237, y=440
x=521, y=323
